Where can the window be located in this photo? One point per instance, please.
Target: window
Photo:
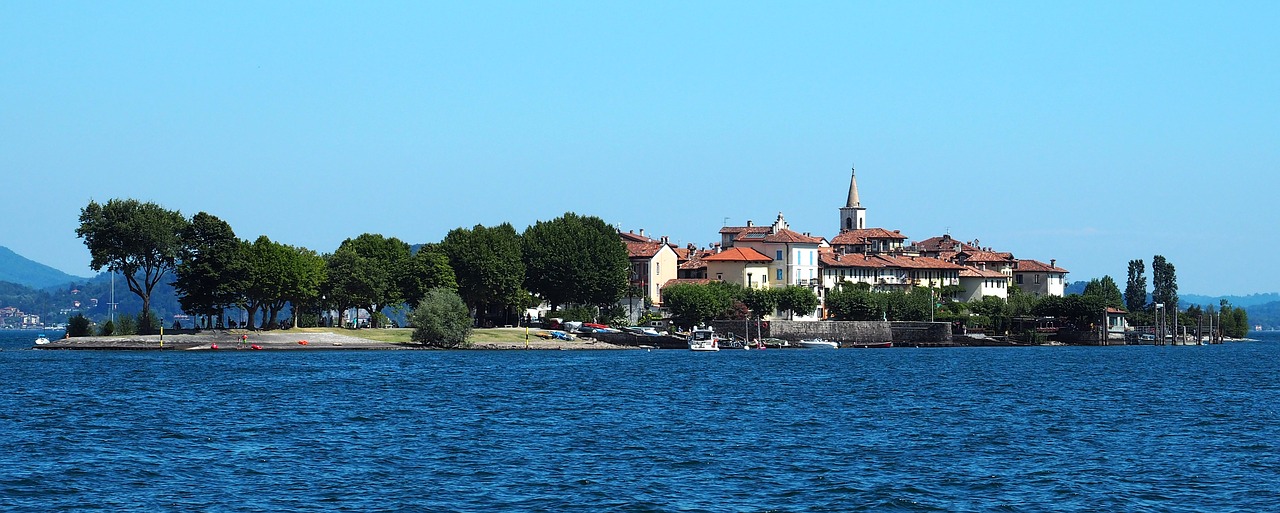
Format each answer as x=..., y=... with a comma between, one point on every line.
x=1037, y=279
x=779, y=255
x=779, y=274
x=1018, y=279
x=658, y=269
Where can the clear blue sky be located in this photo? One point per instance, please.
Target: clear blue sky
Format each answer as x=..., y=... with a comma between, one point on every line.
x=1090, y=133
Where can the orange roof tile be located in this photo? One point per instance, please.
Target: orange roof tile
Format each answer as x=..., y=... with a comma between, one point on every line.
x=863, y=235
x=1036, y=266
x=737, y=254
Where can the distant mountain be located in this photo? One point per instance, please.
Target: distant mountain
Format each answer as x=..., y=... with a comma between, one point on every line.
x=15, y=268
x=1240, y=301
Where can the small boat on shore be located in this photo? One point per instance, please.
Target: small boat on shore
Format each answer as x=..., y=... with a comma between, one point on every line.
x=865, y=345
x=42, y=340
x=703, y=339
x=818, y=343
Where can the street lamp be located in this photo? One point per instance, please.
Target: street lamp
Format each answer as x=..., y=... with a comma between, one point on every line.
x=1159, y=324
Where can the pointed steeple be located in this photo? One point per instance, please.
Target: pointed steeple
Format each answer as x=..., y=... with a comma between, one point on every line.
x=852, y=215
x=853, y=191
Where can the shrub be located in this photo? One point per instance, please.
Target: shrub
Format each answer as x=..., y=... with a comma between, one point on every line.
x=441, y=319
x=79, y=326
x=108, y=329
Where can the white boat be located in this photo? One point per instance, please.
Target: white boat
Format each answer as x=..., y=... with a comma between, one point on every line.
x=704, y=339
x=42, y=340
x=817, y=343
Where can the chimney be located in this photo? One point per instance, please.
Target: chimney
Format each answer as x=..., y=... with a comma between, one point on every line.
x=642, y=232
x=1053, y=262
x=749, y=223
x=664, y=239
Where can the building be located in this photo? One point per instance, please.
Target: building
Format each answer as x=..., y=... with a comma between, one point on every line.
x=653, y=263
x=741, y=265
x=1040, y=279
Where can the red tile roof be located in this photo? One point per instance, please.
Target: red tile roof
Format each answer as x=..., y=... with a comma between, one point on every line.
x=864, y=235
x=643, y=249
x=972, y=272
x=695, y=281
x=830, y=259
x=746, y=229
x=787, y=236
x=944, y=243
x=908, y=262
x=1036, y=266
x=985, y=256
x=633, y=237
x=737, y=254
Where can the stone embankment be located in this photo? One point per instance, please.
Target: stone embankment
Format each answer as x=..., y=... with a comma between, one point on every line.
x=224, y=340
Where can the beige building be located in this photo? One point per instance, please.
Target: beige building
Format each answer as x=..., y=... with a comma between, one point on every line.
x=980, y=283
x=1040, y=279
x=653, y=263
x=744, y=266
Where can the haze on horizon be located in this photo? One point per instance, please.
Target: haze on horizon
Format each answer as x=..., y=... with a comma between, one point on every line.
x=1091, y=133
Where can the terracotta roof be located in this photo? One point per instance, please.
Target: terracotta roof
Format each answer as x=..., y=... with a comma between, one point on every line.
x=633, y=237
x=697, y=263
x=785, y=235
x=1036, y=266
x=863, y=235
x=643, y=249
x=695, y=281
x=829, y=259
x=737, y=254
x=1113, y=310
x=906, y=262
x=971, y=272
x=746, y=229
x=944, y=243
x=986, y=256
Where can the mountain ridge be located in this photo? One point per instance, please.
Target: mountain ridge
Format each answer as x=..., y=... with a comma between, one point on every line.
x=15, y=268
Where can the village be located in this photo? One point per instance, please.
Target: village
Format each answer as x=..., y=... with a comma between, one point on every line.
x=763, y=256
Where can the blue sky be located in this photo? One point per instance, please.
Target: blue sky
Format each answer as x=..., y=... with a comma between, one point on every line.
x=1091, y=133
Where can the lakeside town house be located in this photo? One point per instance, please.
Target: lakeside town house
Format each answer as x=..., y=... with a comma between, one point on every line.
x=776, y=256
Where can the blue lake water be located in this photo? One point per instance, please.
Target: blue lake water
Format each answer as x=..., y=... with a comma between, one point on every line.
x=965, y=429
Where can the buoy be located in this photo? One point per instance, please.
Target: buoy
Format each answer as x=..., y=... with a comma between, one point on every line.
x=215, y=346
x=303, y=342
x=255, y=346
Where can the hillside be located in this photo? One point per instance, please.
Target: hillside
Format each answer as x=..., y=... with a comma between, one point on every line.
x=15, y=268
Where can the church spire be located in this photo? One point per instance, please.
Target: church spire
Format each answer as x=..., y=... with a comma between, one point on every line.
x=853, y=191
x=852, y=215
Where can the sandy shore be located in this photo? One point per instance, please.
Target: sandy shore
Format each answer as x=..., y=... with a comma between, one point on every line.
x=229, y=340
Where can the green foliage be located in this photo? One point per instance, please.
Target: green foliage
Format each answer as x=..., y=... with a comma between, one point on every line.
x=386, y=265
x=427, y=269
x=441, y=319
x=761, y=302
x=79, y=326
x=1164, y=282
x=1081, y=312
x=854, y=302
x=126, y=325
x=580, y=313
x=214, y=270
x=1135, y=292
x=487, y=264
x=141, y=240
x=108, y=329
x=575, y=259
x=1106, y=291
x=1234, y=321
x=692, y=304
x=797, y=300
x=648, y=317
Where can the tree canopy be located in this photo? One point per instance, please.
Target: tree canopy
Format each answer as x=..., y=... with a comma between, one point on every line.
x=488, y=265
x=1105, y=290
x=575, y=259
x=1164, y=282
x=1135, y=291
x=213, y=270
x=141, y=241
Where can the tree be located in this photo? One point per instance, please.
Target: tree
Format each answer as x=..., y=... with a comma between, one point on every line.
x=853, y=302
x=1135, y=292
x=389, y=255
x=761, y=301
x=428, y=269
x=797, y=300
x=1105, y=290
x=267, y=264
x=693, y=304
x=575, y=259
x=488, y=265
x=441, y=319
x=303, y=280
x=213, y=269
x=352, y=281
x=141, y=241
x=1164, y=283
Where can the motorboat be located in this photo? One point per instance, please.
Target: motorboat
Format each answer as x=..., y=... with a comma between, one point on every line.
x=869, y=344
x=42, y=340
x=818, y=343
x=703, y=339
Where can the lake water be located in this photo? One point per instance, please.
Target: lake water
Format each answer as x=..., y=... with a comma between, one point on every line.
x=965, y=429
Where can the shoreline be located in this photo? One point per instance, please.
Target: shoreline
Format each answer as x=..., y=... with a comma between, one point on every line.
x=286, y=340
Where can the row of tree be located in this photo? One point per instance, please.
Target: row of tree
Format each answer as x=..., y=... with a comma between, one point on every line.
x=569, y=260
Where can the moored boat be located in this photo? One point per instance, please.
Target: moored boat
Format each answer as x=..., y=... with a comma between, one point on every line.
x=869, y=344
x=703, y=339
x=818, y=343
x=42, y=340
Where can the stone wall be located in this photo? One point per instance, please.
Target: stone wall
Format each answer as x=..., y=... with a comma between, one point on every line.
x=921, y=333
x=862, y=332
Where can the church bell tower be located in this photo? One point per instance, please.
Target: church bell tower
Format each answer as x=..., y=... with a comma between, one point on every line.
x=852, y=215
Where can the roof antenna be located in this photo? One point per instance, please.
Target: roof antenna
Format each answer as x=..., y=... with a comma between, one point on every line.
x=726, y=222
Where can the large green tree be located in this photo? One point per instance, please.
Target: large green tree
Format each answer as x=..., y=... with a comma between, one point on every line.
x=1135, y=291
x=1105, y=290
x=213, y=269
x=797, y=300
x=392, y=257
x=853, y=302
x=428, y=269
x=352, y=281
x=267, y=284
x=141, y=241
x=1164, y=283
x=575, y=259
x=691, y=304
x=488, y=266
